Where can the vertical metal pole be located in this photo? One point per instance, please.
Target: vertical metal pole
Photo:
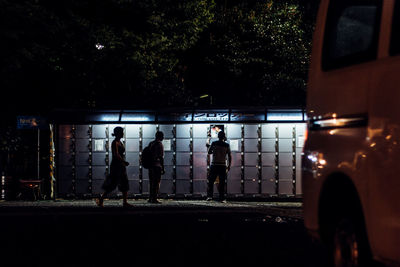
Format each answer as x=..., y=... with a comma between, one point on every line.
x=38, y=154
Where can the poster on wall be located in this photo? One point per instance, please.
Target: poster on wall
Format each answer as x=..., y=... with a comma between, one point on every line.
x=215, y=129
x=234, y=144
x=99, y=145
x=167, y=144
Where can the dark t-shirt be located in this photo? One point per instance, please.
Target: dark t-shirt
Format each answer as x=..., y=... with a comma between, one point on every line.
x=157, y=151
x=219, y=149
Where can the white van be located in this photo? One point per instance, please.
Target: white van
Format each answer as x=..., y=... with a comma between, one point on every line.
x=351, y=161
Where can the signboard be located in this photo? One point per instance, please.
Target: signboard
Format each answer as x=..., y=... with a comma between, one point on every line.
x=175, y=117
x=31, y=122
x=249, y=116
x=167, y=144
x=218, y=116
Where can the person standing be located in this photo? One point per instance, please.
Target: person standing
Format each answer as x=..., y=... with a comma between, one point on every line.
x=118, y=176
x=220, y=150
x=157, y=167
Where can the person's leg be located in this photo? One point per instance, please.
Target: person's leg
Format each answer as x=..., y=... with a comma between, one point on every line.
x=100, y=200
x=157, y=181
x=222, y=181
x=151, y=184
x=211, y=179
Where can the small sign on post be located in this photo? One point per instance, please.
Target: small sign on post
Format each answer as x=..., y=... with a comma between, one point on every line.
x=30, y=122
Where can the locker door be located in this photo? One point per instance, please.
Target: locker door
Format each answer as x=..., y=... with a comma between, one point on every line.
x=131, y=131
x=200, y=130
x=168, y=130
x=268, y=184
x=65, y=131
x=166, y=187
x=100, y=131
x=149, y=131
x=200, y=187
x=234, y=131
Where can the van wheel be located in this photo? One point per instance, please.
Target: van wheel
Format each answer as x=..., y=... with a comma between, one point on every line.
x=349, y=245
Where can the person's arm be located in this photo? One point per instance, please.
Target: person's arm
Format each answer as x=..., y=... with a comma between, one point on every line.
x=115, y=153
x=211, y=149
x=162, y=159
x=229, y=157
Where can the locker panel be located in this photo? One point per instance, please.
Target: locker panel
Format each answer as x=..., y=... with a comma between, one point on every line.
x=96, y=186
x=65, y=131
x=298, y=171
x=99, y=131
x=251, y=159
x=200, y=159
x=183, y=131
x=82, y=131
x=133, y=172
x=82, y=172
x=183, y=159
x=82, y=159
x=146, y=142
x=199, y=173
x=199, y=145
x=65, y=159
x=182, y=186
x=286, y=130
x=234, y=186
x=301, y=129
x=132, y=145
x=168, y=130
x=268, y=173
x=236, y=160
x=134, y=187
x=169, y=173
x=286, y=187
x=82, y=187
x=82, y=145
x=200, y=130
x=99, y=159
x=65, y=173
x=286, y=173
x=65, y=187
x=251, y=186
x=268, y=186
x=183, y=172
x=268, y=145
x=149, y=131
x=268, y=130
x=132, y=158
x=251, y=145
x=131, y=131
x=286, y=159
x=251, y=131
x=183, y=145
x=166, y=187
x=285, y=145
x=65, y=145
x=168, y=158
x=250, y=173
x=268, y=159
x=145, y=185
x=235, y=173
x=99, y=173
x=200, y=187
x=234, y=131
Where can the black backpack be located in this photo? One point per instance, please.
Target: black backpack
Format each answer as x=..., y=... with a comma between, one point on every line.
x=147, y=157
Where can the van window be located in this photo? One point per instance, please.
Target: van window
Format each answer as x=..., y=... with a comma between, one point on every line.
x=351, y=33
x=395, y=40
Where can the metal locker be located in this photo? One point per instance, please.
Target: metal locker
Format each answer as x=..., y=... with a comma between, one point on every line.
x=285, y=173
x=200, y=130
x=132, y=145
x=183, y=172
x=234, y=131
x=82, y=187
x=132, y=158
x=131, y=131
x=82, y=172
x=251, y=159
x=301, y=129
x=250, y=173
x=236, y=160
x=183, y=131
x=65, y=145
x=251, y=131
x=235, y=173
x=200, y=159
x=146, y=142
x=99, y=131
x=268, y=130
x=285, y=145
x=268, y=159
x=286, y=187
x=65, y=187
x=285, y=130
x=133, y=172
x=200, y=187
x=298, y=170
x=251, y=186
x=168, y=158
x=65, y=159
x=251, y=145
x=268, y=173
x=183, y=145
x=268, y=145
x=96, y=186
x=268, y=186
x=82, y=159
x=99, y=159
x=286, y=159
x=99, y=172
x=183, y=159
x=234, y=186
x=65, y=173
x=82, y=145
x=134, y=187
x=145, y=185
x=65, y=131
x=168, y=130
x=169, y=173
x=199, y=145
x=182, y=186
x=149, y=131
x=82, y=131
x=166, y=187
x=199, y=173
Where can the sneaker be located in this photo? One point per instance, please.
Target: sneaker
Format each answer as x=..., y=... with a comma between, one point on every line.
x=223, y=201
x=99, y=202
x=209, y=199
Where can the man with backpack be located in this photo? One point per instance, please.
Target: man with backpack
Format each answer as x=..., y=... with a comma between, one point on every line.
x=155, y=165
